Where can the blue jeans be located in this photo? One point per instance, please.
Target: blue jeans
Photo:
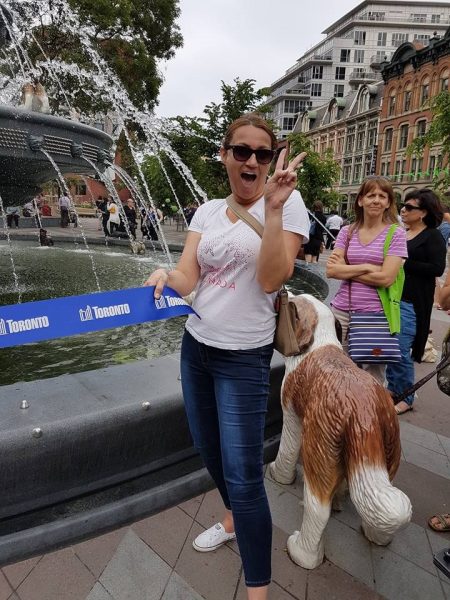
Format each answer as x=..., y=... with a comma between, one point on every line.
x=400, y=376
x=225, y=394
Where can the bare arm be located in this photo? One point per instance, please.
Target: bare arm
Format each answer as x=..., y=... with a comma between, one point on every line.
x=278, y=247
x=444, y=293
x=385, y=276
x=185, y=276
x=337, y=268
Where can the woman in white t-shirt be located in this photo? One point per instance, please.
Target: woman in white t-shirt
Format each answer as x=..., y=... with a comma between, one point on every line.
x=226, y=353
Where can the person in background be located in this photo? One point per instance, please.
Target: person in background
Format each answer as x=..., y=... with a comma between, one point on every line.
x=362, y=245
x=421, y=214
x=12, y=216
x=314, y=246
x=114, y=217
x=64, y=206
x=225, y=355
x=334, y=224
x=130, y=213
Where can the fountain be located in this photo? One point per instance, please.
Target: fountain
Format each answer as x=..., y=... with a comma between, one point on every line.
x=23, y=133
x=88, y=451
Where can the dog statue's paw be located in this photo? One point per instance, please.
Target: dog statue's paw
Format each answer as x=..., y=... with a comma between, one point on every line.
x=301, y=556
x=279, y=476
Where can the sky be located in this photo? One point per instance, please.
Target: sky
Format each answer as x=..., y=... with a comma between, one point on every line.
x=249, y=39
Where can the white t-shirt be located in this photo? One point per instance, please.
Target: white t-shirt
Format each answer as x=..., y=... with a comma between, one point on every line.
x=235, y=312
x=334, y=222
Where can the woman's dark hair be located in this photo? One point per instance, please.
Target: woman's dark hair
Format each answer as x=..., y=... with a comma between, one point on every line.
x=251, y=118
x=367, y=186
x=318, y=206
x=427, y=200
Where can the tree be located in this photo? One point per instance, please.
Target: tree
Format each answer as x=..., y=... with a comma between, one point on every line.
x=438, y=133
x=318, y=173
x=130, y=35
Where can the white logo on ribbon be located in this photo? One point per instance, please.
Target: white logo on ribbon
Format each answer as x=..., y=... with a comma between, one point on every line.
x=86, y=315
x=161, y=303
x=3, y=327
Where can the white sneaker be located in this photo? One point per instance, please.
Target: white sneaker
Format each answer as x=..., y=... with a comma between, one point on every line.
x=212, y=538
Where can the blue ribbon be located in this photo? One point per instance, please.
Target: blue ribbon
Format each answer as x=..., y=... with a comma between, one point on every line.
x=73, y=315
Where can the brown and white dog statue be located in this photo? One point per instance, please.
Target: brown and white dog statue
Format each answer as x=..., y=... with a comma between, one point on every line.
x=345, y=425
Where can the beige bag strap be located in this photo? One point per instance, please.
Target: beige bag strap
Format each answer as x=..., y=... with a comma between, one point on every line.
x=244, y=215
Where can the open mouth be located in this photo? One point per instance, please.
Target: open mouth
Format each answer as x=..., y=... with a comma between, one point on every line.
x=248, y=176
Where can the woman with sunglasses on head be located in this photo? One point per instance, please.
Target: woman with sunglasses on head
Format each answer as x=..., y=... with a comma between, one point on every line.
x=226, y=354
x=421, y=213
x=358, y=257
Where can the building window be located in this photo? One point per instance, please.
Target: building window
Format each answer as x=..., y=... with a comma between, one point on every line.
x=350, y=141
x=382, y=38
x=435, y=18
x=360, y=139
x=317, y=72
x=407, y=100
x=388, y=134
x=424, y=93
x=316, y=89
x=340, y=73
x=423, y=38
x=345, y=55
x=421, y=127
x=418, y=18
x=373, y=15
x=339, y=90
x=371, y=136
x=291, y=106
x=398, y=39
x=391, y=105
x=359, y=56
x=360, y=38
x=444, y=82
x=288, y=123
x=403, y=137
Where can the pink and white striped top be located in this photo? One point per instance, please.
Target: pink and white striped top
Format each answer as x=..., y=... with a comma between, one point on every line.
x=365, y=297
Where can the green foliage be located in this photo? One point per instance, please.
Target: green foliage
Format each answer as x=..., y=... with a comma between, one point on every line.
x=318, y=173
x=130, y=35
x=438, y=133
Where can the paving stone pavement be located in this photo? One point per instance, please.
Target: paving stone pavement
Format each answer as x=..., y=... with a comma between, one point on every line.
x=153, y=559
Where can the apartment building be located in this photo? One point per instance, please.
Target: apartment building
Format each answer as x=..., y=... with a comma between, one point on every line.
x=412, y=78
x=351, y=54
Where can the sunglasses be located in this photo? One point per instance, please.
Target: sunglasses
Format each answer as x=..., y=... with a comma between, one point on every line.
x=409, y=207
x=263, y=156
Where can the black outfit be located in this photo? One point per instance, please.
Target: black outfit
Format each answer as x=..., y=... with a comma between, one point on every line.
x=10, y=217
x=102, y=207
x=131, y=216
x=315, y=235
x=425, y=262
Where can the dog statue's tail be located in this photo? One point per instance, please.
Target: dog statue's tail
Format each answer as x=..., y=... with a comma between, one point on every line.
x=382, y=507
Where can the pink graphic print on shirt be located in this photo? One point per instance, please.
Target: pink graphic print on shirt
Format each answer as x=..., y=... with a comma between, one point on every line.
x=237, y=258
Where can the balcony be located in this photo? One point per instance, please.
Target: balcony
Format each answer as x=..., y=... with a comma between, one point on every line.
x=376, y=60
x=356, y=77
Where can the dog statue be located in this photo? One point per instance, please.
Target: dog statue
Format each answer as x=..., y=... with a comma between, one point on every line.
x=34, y=98
x=137, y=247
x=44, y=238
x=345, y=424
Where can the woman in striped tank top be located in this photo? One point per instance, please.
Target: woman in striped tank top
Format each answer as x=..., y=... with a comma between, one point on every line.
x=362, y=244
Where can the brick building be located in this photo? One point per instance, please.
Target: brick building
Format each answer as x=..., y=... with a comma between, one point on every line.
x=413, y=77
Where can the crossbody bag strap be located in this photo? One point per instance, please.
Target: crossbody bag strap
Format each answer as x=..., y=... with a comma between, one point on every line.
x=250, y=220
x=244, y=215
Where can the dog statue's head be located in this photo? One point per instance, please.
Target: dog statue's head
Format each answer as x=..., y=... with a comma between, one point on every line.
x=316, y=325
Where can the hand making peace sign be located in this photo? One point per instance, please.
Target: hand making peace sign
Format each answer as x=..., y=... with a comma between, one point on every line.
x=283, y=181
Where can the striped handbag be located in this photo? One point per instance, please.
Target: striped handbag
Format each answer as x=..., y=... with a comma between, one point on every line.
x=370, y=341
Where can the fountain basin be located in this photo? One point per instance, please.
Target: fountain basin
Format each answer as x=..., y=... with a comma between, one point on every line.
x=23, y=170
